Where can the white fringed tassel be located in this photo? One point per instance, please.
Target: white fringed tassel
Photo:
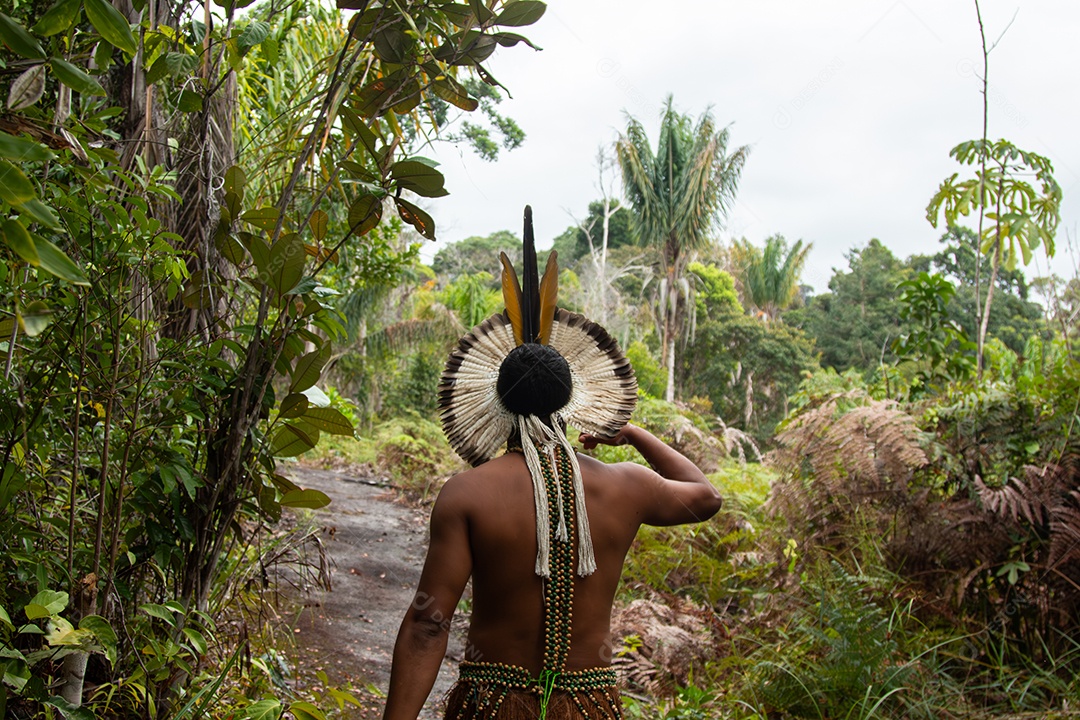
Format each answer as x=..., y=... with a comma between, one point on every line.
x=535, y=432
x=543, y=523
x=586, y=553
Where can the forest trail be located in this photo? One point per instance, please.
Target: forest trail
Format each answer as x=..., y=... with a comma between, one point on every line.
x=376, y=549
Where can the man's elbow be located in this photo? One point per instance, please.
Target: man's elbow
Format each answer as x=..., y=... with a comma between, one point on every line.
x=425, y=626
x=710, y=503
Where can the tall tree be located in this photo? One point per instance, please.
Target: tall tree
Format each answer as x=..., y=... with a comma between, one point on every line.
x=679, y=195
x=855, y=323
x=1021, y=217
x=770, y=274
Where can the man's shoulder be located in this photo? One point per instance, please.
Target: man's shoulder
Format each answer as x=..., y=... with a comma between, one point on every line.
x=468, y=480
x=618, y=470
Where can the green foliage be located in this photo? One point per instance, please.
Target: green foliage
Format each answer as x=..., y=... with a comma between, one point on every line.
x=716, y=296
x=855, y=324
x=1021, y=217
x=935, y=342
x=678, y=194
x=168, y=319
x=769, y=275
x=1013, y=319
x=747, y=368
x=650, y=376
x=472, y=298
x=840, y=655
x=476, y=254
x=621, y=232
x=413, y=451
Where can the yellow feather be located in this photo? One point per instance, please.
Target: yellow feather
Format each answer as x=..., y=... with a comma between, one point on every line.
x=511, y=289
x=549, y=293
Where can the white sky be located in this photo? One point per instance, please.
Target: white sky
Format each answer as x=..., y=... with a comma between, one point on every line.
x=850, y=109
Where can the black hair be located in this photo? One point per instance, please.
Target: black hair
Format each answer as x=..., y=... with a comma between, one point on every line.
x=534, y=379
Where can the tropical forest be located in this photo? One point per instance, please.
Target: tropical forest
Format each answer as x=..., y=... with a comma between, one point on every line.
x=229, y=292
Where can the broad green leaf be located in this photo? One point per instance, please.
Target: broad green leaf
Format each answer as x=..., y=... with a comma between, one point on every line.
x=358, y=127
x=52, y=601
x=5, y=618
x=512, y=39
x=260, y=251
x=104, y=633
x=269, y=709
x=264, y=218
x=171, y=64
x=391, y=44
x=26, y=89
x=416, y=217
x=360, y=172
x=455, y=93
x=230, y=248
x=53, y=260
x=480, y=11
x=522, y=12
x=234, y=205
x=271, y=50
x=313, y=499
x=318, y=224
x=19, y=40
x=419, y=177
x=197, y=640
x=34, y=611
x=293, y=406
x=364, y=214
x=459, y=14
x=41, y=212
x=190, y=101
x=374, y=98
x=306, y=284
x=159, y=611
x=35, y=317
x=306, y=711
x=286, y=264
x=15, y=188
x=19, y=240
x=329, y=420
x=315, y=396
x=61, y=632
x=20, y=149
x=75, y=78
x=309, y=368
x=68, y=710
x=113, y=26
x=283, y=483
x=58, y=18
x=291, y=440
x=255, y=32
x=235, y=180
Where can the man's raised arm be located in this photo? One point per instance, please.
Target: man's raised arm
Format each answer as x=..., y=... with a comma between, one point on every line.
x=675, y=491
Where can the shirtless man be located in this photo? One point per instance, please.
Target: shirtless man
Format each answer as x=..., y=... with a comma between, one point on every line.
x=483, y=525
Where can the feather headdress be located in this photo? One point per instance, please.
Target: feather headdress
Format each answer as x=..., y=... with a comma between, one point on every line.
x=602, y=395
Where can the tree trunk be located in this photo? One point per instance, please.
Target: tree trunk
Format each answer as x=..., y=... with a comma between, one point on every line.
x=984, y=322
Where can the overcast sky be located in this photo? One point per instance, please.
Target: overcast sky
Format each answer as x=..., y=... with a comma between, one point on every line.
x=850, y=109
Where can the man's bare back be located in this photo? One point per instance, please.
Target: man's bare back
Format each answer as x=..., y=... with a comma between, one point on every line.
x=483, y=524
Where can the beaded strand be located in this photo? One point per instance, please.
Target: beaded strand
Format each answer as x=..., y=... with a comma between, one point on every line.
x=491, y=682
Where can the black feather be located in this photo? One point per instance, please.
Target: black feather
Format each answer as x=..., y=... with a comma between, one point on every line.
x=530, y=283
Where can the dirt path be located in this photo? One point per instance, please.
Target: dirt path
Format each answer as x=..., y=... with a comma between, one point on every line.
x=376, y=548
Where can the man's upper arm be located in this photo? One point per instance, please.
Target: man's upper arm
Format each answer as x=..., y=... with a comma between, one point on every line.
x=449, y=558
x=670, y=502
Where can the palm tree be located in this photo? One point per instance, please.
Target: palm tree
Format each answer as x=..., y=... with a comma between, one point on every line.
x=769, y=275
x=679, y=195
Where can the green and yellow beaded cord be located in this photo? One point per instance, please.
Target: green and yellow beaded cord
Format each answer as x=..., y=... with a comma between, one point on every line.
x=490, y=682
